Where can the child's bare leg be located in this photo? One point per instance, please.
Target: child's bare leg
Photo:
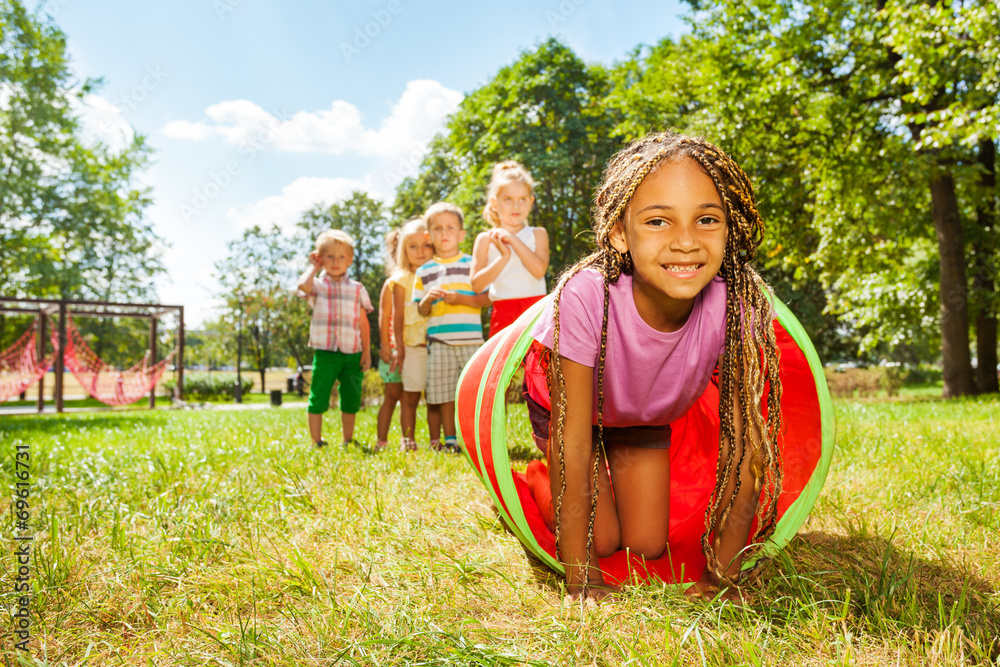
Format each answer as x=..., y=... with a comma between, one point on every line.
x=316, y=426
x=641, y=479
x=408, y=413
x=391, y=392
x=448, y=418
x=434, y=422
x=347, y=423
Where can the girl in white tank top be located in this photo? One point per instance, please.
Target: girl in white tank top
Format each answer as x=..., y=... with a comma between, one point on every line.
x=512, y=257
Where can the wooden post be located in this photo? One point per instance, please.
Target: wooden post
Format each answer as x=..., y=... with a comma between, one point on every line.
x=179, y=391
x=61, y=356
x=40, y=350
x=152, y=357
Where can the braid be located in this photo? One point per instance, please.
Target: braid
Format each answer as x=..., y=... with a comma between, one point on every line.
x=750, y=362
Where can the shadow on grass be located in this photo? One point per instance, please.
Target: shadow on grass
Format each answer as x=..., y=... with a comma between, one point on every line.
x=866, y=580
x=28, y=426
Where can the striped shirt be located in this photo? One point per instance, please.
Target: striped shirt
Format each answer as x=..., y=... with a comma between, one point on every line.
x=336, y=320
x=450, y=323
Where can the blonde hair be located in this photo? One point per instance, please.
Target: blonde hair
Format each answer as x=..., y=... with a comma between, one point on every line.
x=751, y=348
x=443, y=207
x=410, y=228
x=505, y=173
x=331, y=236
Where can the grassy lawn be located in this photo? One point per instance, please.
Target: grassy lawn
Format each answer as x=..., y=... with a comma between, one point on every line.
x=222, y=538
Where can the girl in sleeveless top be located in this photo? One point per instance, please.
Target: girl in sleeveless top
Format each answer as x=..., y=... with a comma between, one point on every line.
x=512, y=257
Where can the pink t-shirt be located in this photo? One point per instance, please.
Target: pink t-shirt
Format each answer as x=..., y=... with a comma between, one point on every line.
x=650, y=377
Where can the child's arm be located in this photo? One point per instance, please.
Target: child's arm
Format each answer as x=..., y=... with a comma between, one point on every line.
x=366, y=342
x=398, y=304
x=385, y=311
x=306, y=279
x=574, y=515
x=537, y=261
x=427, y=302
x=732, y=538
x=483, y=271
x=481, y=300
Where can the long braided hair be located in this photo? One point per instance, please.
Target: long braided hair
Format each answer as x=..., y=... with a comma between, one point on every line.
x=750, y=362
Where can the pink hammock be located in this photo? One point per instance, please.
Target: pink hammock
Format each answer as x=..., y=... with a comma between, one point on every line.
x=19, y=365
x=109, y=386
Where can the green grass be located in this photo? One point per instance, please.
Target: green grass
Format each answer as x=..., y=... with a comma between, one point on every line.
x=223, y=538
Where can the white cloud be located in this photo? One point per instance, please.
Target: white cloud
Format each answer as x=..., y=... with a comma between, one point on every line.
x=415, y=118
x=102, y=121
x=296, y=198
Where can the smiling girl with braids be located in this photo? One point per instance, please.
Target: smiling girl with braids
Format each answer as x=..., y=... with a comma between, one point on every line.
x=631, y=340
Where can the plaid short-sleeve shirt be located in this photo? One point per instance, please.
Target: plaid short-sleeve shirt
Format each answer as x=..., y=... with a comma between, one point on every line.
x=336, y=320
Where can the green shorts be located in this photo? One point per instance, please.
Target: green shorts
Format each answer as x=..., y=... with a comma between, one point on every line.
x=328, y=367
x=388, y=376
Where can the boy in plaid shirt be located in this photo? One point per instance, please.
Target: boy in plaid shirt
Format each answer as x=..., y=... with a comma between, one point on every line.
x=339, y=332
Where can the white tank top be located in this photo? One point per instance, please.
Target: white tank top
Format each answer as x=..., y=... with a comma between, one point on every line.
x=514, y=281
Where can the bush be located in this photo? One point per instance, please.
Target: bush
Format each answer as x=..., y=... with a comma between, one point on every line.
x=864, y=381
x=922, y=374
x=371, y=388
x=210, y=385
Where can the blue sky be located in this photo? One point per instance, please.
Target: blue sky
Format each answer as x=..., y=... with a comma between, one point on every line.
x=256, y=109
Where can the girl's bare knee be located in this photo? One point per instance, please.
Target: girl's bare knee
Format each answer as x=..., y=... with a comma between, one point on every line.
x=648, y=549
x=607, y=543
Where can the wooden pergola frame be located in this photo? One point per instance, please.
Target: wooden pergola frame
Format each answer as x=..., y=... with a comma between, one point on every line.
x=43, y=309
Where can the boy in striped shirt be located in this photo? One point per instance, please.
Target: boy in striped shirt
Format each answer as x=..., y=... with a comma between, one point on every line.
x=443, y=292
x=339, y=332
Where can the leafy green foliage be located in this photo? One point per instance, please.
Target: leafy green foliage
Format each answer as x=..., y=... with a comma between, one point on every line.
x=209, y=385
x=71, y=223
x=545, y=110
x=256, y=277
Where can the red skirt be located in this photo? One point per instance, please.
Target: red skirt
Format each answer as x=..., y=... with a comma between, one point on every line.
x=505, y=311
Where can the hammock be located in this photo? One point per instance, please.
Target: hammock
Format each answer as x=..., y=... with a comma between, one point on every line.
x=806, y=445
x=19, y=365
x=109, y=386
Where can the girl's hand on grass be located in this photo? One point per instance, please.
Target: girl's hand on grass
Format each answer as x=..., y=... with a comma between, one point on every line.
x=593, y=591
x=708, y=588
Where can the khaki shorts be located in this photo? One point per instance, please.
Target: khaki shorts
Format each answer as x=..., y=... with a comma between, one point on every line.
x=415, y=369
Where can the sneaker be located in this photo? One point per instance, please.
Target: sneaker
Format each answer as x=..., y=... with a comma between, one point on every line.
x=320, y=443
x=436, y=445
x=351, y=442
x=453, y=448
x=408, y=445
x=381, y=444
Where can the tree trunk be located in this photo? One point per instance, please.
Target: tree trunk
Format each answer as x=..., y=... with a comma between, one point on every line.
x=984, y=277
x=958, y=378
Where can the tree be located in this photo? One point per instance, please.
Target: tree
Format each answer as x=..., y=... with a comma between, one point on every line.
x=365, y=219
x=545, y=110
x=950, y=52
x=70, y=222
x=254, y=277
